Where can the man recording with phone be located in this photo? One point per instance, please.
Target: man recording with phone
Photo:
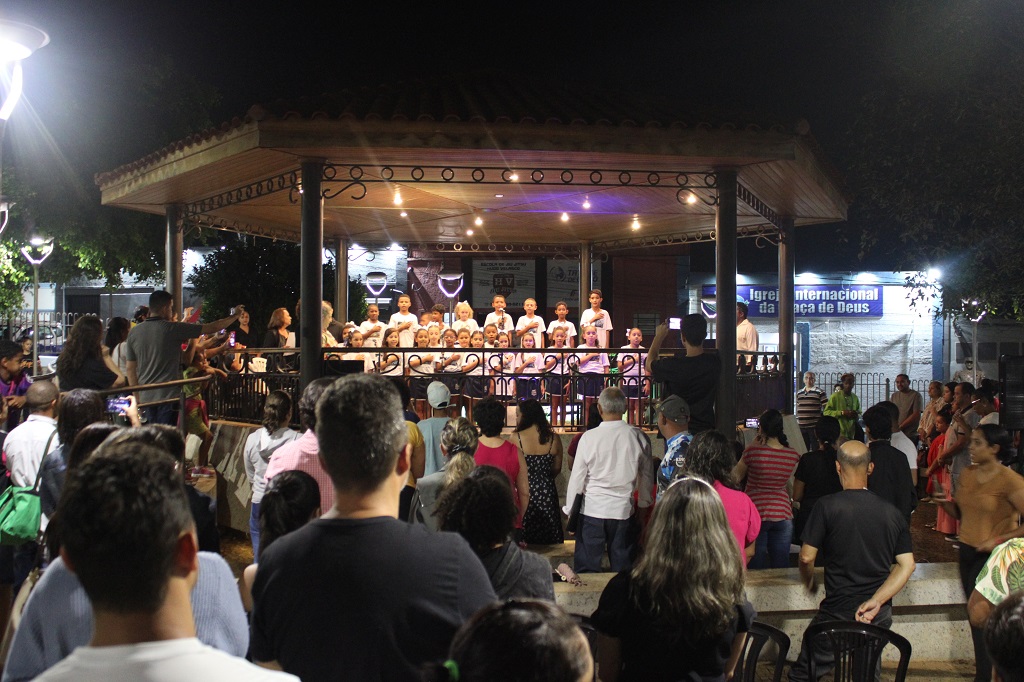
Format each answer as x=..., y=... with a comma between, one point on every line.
x=693, y=376
x=154, y=354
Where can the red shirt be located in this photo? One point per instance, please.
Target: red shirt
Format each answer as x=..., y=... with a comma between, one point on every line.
x=768, y=471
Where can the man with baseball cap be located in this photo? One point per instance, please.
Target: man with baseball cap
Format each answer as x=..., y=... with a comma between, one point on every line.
x=439, y=398
x=674, y=424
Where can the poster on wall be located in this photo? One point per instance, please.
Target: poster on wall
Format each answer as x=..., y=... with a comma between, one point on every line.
x=810, y=300
x=514, y=279
x=563, y=281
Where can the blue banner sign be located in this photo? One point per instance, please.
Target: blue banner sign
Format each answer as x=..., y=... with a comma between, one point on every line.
x=810, y=300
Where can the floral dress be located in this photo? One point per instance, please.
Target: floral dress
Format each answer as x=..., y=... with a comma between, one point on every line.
x=542, y=523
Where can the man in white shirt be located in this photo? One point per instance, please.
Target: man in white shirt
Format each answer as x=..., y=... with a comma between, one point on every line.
x=984, y=406
x=746, y=333
x=137, y=567
x=612, y=461
x=23, y=451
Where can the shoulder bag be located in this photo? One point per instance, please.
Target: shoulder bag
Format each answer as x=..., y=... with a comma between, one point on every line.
x=20, y=508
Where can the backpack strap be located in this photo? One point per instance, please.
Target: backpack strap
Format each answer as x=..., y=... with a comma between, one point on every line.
x=42, y=461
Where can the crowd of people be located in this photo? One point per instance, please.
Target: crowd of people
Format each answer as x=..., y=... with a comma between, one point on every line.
x=393, y=545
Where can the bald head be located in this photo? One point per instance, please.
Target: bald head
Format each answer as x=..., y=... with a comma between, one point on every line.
x=854, y=455
x=854, y=465
x=41, y=396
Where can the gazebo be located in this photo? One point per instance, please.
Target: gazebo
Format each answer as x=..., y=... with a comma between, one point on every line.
x=490, y=165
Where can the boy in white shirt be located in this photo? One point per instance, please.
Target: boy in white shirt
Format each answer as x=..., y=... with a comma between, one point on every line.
x=372, y=328
x=490, y=335
x=561, y=312
x=499, y=318
x=531, y=324
x=600, y=319
x=405, y=322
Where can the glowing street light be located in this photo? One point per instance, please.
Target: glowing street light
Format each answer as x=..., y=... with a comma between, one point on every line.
x=35, y=253
x=17, y=42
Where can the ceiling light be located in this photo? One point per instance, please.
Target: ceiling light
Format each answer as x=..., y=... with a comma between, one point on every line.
x=479, y=221
x=398, y=198
x=636, y=223
x=469, y=232
x=404, y=214
x=499, y=196
x=565, y=217
x=514, y=177
x=692, y=199
x=586, y=202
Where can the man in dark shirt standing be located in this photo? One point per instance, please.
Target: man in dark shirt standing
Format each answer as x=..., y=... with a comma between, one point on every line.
x=154, y=354
x=357, y=594
x=694, y=376
x=861, y=537
x=891, y=479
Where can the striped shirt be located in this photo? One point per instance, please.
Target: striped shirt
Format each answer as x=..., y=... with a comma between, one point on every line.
x=768, y=471
x=809, y=404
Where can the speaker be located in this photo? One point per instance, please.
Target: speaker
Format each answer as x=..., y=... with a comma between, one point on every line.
x=334, y=366
x=1011, y=397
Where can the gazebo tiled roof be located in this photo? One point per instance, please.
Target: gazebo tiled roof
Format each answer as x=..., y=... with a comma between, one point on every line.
x=485, y=126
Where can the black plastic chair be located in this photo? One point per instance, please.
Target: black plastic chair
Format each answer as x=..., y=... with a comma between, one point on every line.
x=857, y=648
x=760, y=634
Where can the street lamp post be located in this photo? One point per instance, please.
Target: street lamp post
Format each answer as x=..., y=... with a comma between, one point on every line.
x=35, y=253
x=17, y=42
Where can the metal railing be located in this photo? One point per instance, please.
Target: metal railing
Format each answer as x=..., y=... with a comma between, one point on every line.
x=562, y=385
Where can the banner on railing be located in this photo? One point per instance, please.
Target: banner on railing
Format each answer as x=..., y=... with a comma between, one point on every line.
x=810, y=300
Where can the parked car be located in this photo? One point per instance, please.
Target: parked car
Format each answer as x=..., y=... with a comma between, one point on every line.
x=50, y=339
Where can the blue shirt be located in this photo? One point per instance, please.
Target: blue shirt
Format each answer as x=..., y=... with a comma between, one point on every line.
x=673, y=465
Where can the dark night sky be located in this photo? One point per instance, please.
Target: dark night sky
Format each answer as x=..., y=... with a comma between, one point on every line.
x=788, y=60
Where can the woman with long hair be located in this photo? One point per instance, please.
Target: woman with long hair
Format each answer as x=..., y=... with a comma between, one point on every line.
x=85, y=362
x=816, y=474
x=710, y=456
x=680, y=613
x=458, y=445
x=542, y=450
x=259, y=446
x=988, y=502
x=292, y=500
x=767, y=464
x=117, y=334
x=278, y=336
x=481, y=510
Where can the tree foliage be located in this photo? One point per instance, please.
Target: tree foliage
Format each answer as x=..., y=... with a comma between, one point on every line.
x=935, y=152
x=50, y=174
x=261, y=274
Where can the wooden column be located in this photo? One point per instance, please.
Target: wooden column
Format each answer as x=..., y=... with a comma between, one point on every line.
x=787, y=320
x=173, y=248
x=311, y=279
x=725, y=298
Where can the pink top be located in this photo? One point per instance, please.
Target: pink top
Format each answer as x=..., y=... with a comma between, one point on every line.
x=768, y=471
x=303, y=454
x=506, y=458
x=744, y=520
